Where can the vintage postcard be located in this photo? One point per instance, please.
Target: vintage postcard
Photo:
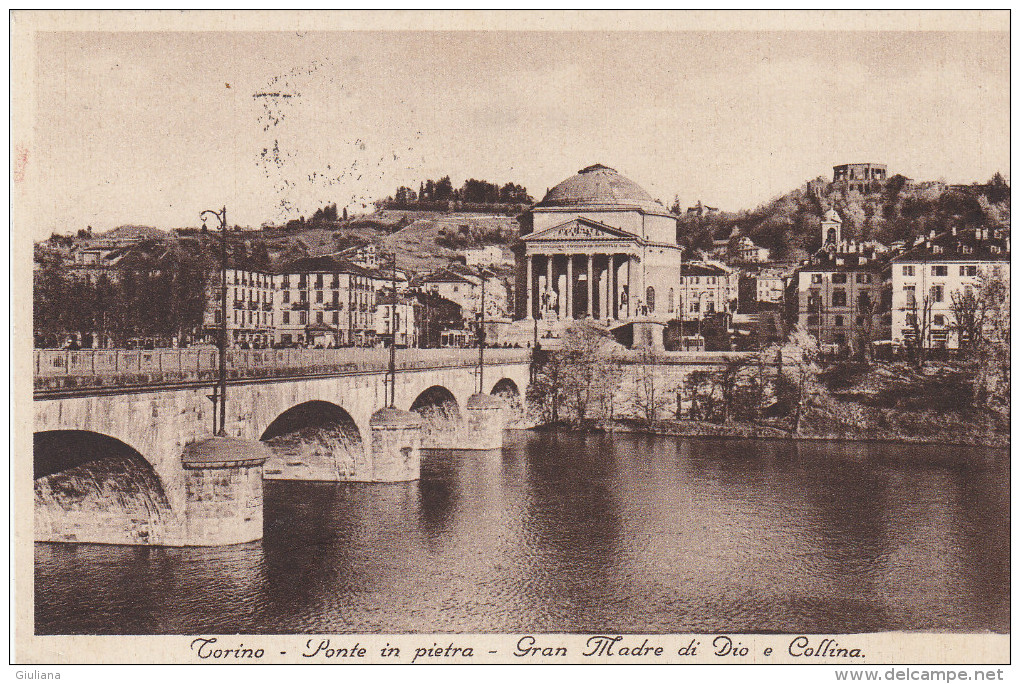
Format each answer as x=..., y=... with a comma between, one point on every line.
x=512, y=337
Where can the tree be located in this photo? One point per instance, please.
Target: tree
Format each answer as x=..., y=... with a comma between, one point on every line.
x=545, y=393
x=919, y=320
x=590, y=374
x=798, y=376
x=652, y=392
x=863, y=326
x=992, y=376
x=968, y=318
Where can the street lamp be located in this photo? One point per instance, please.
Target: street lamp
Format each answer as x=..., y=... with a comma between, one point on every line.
x=222, y=384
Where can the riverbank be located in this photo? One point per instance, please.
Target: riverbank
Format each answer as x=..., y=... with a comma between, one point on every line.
x=744, y=430
x=701, y=429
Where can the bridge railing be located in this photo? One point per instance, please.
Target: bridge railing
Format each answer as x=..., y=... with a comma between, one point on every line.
x=63, y=369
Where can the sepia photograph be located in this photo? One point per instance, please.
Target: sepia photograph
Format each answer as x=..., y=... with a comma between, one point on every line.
x=652, y=331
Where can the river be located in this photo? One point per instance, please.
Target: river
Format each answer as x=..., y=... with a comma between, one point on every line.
x=564, y=532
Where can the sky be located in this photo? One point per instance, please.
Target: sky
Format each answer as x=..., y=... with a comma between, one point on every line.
x=151, y=128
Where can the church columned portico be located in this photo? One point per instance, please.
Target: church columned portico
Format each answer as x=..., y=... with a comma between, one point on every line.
x=597, y=247
x=578, y=285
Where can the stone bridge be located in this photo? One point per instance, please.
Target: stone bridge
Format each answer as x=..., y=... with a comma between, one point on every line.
x=136, y=463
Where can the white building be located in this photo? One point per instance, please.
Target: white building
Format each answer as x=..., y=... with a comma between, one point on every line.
x=703, y=289
x=326, y=302
x=770, y=284
x=750, y=253
x=485, y=256
x=926, y=278
x=251, y=313
x=597, y=246
x=402, y=319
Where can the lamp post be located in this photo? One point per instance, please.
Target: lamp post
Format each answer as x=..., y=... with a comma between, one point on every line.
x=221, y=431
x=481, y=339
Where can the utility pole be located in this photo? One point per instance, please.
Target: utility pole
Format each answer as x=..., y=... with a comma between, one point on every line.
x=393, y=332
x=481, y=340
x=221, y=431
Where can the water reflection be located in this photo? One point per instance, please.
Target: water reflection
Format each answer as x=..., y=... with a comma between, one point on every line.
x=578, y=533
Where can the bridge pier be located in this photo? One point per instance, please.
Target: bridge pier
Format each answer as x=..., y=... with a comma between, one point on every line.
x=223, y=502
x=395, y=453
x=486, y=418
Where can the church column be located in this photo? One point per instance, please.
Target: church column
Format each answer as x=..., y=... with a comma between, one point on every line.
x=587, y=261
x=630, y=288
x=607, y=298
x=614, y=297
x=549, y=273
x=568, y=308
x=531, y=286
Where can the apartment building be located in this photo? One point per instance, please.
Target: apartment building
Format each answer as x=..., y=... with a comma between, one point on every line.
x=705, y=288
x=250, y=307
x=837, y=296
x=937, y=271
x=326, y=302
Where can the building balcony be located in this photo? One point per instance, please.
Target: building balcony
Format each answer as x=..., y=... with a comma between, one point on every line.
x=334, y=306
x=299, y=306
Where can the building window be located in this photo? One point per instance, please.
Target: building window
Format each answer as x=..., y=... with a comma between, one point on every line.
x=286, y=296
x=286, y=283
x=940, y=271
x=318, y=317
x=303, y=317
x=709, y=307
x=839, y=297
x=863, y=302
x=911, y=319
x=839, y=321
x=863, y=277
x=937, y=293
x=336, y=317
x=816, y=278
x=969, y=271
x=650, y=298
x=908, y=271
x=939, y=320
x=286, y=318
x=318, y=281
x=909, y=292
x=318, y=296
x=839, y=278
x=695, y=307
x=812, y=319
x=671, y=301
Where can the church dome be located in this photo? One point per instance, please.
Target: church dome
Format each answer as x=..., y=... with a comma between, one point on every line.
x=599, y=186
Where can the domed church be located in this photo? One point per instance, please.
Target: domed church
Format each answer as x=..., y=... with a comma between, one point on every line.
x=598, y=247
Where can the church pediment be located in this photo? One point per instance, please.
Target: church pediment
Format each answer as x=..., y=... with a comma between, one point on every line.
x=580, y=229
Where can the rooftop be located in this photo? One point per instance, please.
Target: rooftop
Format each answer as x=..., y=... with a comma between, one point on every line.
x=599, y=186
x=972, y=244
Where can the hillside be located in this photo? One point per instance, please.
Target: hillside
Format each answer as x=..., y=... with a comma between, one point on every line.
x=898, y=210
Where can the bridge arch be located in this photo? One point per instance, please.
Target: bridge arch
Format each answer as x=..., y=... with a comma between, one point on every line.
x=505, y=387
x=507, y=390
x=90, y=487
x=442, y=420
x=314, y=440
